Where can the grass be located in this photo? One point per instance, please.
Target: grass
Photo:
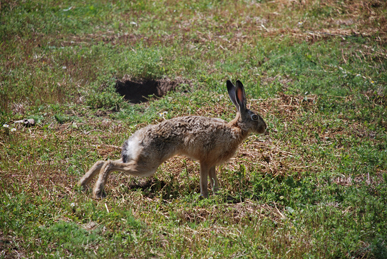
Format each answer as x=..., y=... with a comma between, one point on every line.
x=315, y=187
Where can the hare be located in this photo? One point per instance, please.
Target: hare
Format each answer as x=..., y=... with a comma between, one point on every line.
x=212, y=141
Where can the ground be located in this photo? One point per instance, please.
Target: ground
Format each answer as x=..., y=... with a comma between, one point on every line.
x=314, y=187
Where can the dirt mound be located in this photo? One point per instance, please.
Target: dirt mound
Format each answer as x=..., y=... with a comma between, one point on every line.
x=137, y=91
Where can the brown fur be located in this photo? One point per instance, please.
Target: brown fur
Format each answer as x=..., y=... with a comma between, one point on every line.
x=211, y=141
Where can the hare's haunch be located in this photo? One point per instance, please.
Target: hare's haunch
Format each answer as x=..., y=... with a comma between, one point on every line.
x=212, y=141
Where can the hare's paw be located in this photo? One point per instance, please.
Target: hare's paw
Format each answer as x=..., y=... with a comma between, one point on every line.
x=99, y=194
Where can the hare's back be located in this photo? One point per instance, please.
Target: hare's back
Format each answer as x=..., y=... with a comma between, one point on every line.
x=197, y=137
x=200, y=138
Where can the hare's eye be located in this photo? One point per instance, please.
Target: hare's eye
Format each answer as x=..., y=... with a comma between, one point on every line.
x=254, y=117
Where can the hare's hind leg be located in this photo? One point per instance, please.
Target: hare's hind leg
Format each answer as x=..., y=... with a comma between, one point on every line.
x=132, y=168
x=214, y=180
x=90, y=174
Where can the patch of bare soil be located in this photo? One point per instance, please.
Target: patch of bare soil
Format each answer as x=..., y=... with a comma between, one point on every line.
x=8, y=248
x=139, y=90
x=152, y=184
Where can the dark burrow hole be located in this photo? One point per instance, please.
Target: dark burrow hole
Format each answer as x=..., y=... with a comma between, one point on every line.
x=137, y=91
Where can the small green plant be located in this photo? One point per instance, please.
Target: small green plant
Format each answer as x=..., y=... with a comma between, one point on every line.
x=103, y=94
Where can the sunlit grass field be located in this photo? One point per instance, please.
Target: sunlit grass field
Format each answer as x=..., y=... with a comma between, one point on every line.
x=314, y=187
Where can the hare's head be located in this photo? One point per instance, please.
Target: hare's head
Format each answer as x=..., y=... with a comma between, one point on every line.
x=248, y=120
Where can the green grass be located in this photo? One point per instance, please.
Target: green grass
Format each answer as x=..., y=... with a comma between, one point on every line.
x=315, y=187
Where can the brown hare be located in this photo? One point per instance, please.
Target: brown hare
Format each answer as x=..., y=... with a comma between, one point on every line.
x=212, y=141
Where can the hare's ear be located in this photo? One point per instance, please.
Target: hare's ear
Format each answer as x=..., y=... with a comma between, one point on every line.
x=240, y=95
x=232, y=94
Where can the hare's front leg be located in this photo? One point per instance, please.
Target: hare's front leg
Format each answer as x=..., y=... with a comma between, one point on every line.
x=214, y=180
x=204, y=171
